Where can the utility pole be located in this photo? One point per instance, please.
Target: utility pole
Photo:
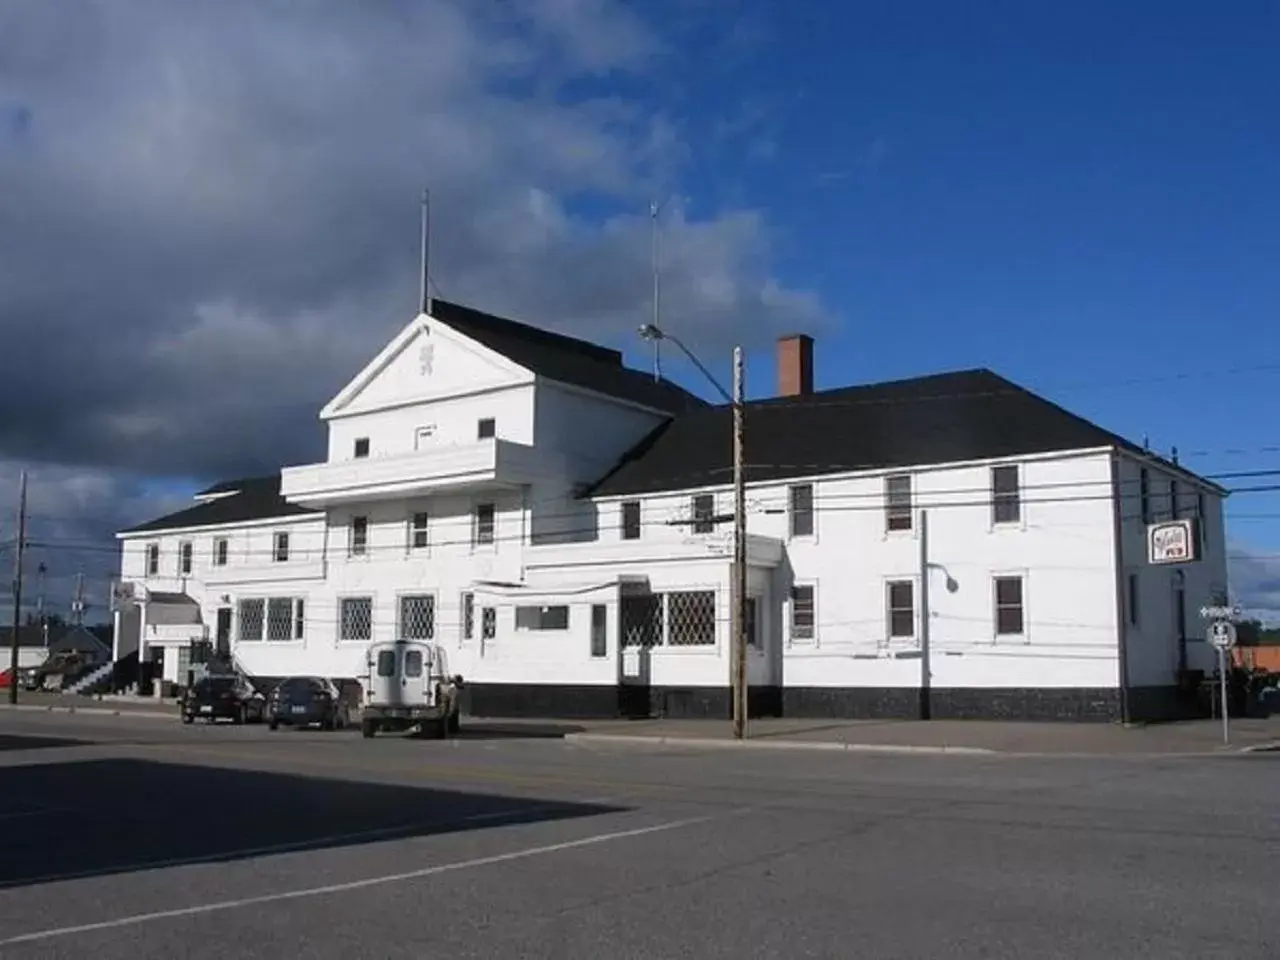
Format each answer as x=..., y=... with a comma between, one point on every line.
x=739, y=592
x=656, y=266
x=926, y=667
x=77, y=604
x=424, y=298
x=19, y=549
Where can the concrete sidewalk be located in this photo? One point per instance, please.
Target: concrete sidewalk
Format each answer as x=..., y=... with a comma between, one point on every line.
x=1198, y=738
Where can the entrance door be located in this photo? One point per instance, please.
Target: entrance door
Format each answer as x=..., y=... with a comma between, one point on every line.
x=639, y=631
x=222, y=633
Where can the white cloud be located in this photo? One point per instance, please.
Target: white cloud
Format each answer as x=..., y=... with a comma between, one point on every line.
x=1255, y=582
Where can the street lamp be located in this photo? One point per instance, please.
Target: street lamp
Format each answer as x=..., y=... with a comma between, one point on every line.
x=652, y=332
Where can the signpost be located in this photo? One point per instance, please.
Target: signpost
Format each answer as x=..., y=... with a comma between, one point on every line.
x=1222, y=636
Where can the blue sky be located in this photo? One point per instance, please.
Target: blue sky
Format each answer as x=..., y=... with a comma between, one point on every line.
x=1084, y=197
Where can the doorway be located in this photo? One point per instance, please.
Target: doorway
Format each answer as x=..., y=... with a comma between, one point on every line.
x=222, y=633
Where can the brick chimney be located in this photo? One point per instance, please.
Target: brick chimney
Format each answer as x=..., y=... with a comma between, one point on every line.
x=795, y=365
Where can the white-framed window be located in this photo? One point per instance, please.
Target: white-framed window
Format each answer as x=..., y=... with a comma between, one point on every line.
x=1010, y=616
x=542, y=618
x=358, y=537
x=691, y=618
x=900, y=601
x=285, y=619
x=360, y=449
x=418, y=530
x=631, y=520
x=185, y=549
x=468, y=615
x=417, y=617
x=484, y=524
x=220, y=548
x=486, y=429
x=280, y=551
x=803, y=608
x=800, y=509
x=897, y=503
x=355, y=619
x=1006, y=497
x=488, y=623
x=153, y=559
x=252, y=619
x=703, y=507
x=599, y=630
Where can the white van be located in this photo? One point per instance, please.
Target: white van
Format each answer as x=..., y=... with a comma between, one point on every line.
x=407, y=685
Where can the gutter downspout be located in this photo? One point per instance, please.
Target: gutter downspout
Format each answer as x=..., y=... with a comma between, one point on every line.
x=1122, y=632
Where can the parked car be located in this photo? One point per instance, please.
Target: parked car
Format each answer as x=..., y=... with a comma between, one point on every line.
x=223, y=698
x=308, y=701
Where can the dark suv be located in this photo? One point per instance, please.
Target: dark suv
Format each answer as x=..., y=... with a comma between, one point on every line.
x=223, y=698
x=308, y=701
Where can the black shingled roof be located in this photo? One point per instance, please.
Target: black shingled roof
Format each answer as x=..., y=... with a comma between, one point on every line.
x=565, y=359
x=945, y=418
x=257, y=498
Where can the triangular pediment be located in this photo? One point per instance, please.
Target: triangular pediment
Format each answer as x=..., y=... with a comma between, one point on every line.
x=425, y=361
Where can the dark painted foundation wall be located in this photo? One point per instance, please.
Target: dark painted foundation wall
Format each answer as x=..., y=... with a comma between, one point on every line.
x=1043, y=703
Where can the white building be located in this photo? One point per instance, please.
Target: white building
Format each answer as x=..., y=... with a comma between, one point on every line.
x=560, y=522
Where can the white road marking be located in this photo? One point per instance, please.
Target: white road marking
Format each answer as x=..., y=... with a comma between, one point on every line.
x=424, y=872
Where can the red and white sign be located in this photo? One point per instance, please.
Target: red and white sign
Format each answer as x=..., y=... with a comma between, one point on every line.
x=1173, y=541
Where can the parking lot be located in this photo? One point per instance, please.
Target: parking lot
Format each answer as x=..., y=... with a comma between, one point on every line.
x=141, y=838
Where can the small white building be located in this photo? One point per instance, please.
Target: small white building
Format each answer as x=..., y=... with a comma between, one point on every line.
x=562, y=523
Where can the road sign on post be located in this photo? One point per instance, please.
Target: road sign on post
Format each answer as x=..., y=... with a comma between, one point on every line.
x=1222, y=636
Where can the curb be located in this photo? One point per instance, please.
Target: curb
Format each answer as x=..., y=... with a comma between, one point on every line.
x=707, y=743
x=1272, y=747
x=89, y=711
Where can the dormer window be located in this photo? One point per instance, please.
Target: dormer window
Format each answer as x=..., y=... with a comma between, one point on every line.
x=361, y=448
x=487, y=428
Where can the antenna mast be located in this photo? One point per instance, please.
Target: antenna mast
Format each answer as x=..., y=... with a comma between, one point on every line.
x=657, y=302
x=424, y=298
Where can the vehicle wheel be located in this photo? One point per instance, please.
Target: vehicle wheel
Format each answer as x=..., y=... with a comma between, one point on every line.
x=187, y=718
x=367, y=729
x=327, y=723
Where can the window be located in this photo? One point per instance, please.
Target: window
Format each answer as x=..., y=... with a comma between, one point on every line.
x=542, y=618
x=1144, y=492
x=897, y=502
x=599, y=630
x=488, y=623
x=1133, y=599
x=800, y=508
x=704, y=511
x=485, y=521
x=386, y=663
x=413, y=664
x=252, y=615
x=220, y=552
x=1006, y=503
x=184, y=558
x=153, y=559
x=631, y=520
x=1173, y=500
x=468, y=615
x=691, y=617
x=802, y=612
x=281, y=552
x=359, y=536
x=1009, y=617
x=486, y=428
x=417, y=617
x=641, y=619
x=361, y=449
x=281, y=621
x=902, y=611
x=418, y=531
x=355, y=618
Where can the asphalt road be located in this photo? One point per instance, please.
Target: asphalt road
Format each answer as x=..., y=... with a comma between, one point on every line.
x=139, y=839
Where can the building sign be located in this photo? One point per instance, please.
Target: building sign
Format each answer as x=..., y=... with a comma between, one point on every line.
x=1173, y=541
